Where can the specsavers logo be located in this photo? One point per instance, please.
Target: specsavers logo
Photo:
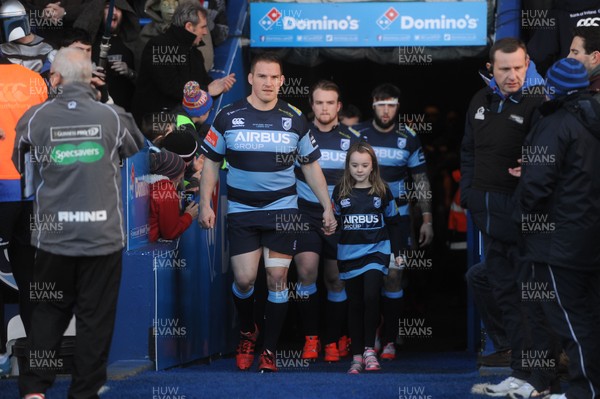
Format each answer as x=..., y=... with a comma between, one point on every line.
x=86, y=152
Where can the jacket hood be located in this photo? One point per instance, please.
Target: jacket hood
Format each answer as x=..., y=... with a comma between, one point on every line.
x=152, y=9
x=92, y=20
x=532, y=78
x=582, y=105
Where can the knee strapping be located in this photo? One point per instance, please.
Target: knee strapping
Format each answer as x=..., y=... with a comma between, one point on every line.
x=275, y=262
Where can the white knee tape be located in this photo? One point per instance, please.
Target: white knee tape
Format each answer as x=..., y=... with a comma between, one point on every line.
x=275, y=262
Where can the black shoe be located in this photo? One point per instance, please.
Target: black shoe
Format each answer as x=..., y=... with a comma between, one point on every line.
x=496, y=359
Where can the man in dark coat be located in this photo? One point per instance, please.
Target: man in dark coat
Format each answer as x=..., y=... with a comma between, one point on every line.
x=498, y=119
x=559, y=192
x=172, y=59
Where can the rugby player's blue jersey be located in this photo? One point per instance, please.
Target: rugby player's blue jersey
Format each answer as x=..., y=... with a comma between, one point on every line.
x=397, y=151
x=261, y=148
x=333, y=146
x=364, y=240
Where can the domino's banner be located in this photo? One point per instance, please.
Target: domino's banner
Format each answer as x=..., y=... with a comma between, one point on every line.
x=368, y=24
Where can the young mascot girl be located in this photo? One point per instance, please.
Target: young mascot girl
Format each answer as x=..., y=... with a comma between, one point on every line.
x=369, y=235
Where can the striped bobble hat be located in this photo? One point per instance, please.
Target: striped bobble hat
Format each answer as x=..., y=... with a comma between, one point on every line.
x=196, y=101
x=565, y=77
x=166, y=163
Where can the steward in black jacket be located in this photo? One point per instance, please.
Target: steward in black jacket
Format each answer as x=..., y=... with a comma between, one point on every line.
x=495, y=129
x=560, y=185
x=498, y=119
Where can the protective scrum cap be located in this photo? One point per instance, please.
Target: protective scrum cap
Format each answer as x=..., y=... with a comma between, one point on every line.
x=14, y=23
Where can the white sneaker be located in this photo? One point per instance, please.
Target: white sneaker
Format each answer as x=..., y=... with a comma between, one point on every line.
x=370, y=360
x=511, y=384
x=389, y=351
x=525, y=391
x=556, y=396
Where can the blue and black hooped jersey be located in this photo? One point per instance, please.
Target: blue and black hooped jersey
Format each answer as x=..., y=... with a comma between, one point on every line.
x=333, y=146
x=364, y=241
x=261, y=148
x=397, y=151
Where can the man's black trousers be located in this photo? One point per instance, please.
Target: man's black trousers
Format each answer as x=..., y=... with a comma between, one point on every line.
x=88, y=287
x=574, y=315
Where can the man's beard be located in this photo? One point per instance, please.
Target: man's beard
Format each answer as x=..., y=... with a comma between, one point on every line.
x=325, y=121
x=382, y=125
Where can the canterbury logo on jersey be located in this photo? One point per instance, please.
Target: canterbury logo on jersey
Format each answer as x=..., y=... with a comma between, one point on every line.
x=14, y=93
x=589, y=22
x=362, y=222
x=263, y=137
x=237, y=122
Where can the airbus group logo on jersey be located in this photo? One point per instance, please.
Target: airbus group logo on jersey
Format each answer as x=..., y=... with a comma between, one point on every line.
x=263, y=137
x=332, y=155
x=249, y=140
x=291, y=22
x=388, y=153
x=362, y=222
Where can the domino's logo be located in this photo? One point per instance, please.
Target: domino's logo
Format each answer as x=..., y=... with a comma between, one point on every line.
x=270, y=19
x=385, y=21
